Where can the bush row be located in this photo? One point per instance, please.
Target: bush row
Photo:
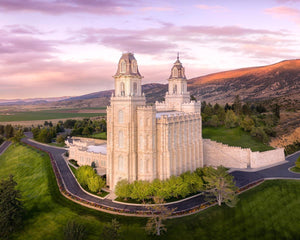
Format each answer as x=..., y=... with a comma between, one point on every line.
x=174, y=187
x=88, y=178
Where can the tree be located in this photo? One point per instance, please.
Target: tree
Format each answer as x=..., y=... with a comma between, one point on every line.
x=247, y=124
x=111, y=231
x=60, y=139
x=276, y=111
x=141, y=190
x=83, y=173
x=95, y=183
x=230, y=119
x=11, y=207
x=237, y=105
x=8, y=131
x=74, y=231
x=159, y=213
x=18, y=136
x=220, y=185
x=123, y=189
x=259, y=133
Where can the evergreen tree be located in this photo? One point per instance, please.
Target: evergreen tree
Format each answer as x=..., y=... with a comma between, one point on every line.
x=11, y=207
x=74, y=231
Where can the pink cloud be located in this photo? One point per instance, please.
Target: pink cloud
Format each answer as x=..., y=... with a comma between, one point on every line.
x=215, y=8
x=57, y=7
x=157, y=9
x=282, y=10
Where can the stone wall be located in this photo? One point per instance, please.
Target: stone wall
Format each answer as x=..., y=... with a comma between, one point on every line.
x=216, y=154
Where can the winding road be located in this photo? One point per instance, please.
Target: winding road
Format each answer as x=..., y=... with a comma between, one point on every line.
x=242, y=178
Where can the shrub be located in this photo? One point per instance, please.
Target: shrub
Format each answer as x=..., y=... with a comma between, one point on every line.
x=83, y=174
x=74, y=231
x=247, y=124
x=231, y=119
x=260, y=134
x=95, y=183
x=123, y=189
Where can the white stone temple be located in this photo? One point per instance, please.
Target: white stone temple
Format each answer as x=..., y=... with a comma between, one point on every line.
x=149, y=142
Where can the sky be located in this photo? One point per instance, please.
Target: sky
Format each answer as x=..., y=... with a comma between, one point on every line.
x=52, y=48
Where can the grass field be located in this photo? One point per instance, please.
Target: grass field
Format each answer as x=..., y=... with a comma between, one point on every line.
x=45, y=115
x=269, y=211
x=295, y=169
x=234, y=137
x=99, y=135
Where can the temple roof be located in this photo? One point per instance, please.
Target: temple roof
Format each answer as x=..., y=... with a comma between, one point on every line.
x=179, y=72
x=131, y=65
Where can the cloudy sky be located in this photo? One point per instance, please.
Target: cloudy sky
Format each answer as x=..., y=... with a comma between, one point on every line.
x=54, y=48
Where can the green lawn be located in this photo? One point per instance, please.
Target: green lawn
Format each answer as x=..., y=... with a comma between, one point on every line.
x=99, y=135
x=234, y=137
x=269, y=211
x=44, y=115
x=295, y=169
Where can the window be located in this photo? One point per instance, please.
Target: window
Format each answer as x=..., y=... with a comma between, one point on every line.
x=121, y=163
x=147, y=163
x=134, y=88
x=175, y=72
x=175, y=88
x=121, y=139
x=141, y=168
x=123, y=66
x=121, y=116
x=122, y=88
x=134, y=66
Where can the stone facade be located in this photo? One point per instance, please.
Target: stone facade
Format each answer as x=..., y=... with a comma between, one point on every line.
x=149, y=142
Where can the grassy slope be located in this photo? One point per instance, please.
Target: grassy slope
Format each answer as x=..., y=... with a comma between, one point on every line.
x=269, y=211
x=99, y=135
x=47, y=210
x=44, y=115
x=234, y=137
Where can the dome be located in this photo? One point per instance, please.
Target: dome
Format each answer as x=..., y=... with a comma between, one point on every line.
x=177, y=70
x=128, y=65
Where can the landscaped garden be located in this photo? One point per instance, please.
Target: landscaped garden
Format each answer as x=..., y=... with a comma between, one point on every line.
x=269, y=211
x=234, y=137
x=296, y=168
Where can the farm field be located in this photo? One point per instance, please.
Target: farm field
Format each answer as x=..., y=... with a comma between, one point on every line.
x=269, y=211
x=49, y=114
x=234, y=137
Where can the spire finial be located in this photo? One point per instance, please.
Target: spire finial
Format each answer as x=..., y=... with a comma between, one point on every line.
x=177, y=55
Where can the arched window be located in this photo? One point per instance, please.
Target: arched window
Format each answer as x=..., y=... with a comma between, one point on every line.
x=134, y=88
x=147, y=163
x=122, y=88
x=175, y=88
x=141, y=142
x=141, y=167
x=121, y=139
x=121, y=116
x=175, y=72
x=134, y=66
x=123, y=66
x=120, y=163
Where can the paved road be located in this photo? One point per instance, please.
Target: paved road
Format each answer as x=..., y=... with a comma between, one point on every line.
x=4, y=146
x=241, y=178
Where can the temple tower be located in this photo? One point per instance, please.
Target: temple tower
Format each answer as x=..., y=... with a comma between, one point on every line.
x=121, y=122
x=177, y=92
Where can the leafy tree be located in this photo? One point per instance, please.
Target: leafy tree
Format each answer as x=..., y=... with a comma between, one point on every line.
x=230, y=119
x=220, y=185
x=123, y=189
x=11, y=207
x=86, y=131
x=60, y=139
x=111, y=231
x=18, y=136
x=247, y=124
x=95, y=183
x=193, y=181
x=297, y=163
x=83, y=173
x=74, y=231
x=259, y=133
x=159, y=213
x=214, y=121
x=141, y=190
x=93, y=164
x=70, y=123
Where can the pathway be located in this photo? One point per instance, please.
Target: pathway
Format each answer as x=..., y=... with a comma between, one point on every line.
x=4, y=146
x=241, y=178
